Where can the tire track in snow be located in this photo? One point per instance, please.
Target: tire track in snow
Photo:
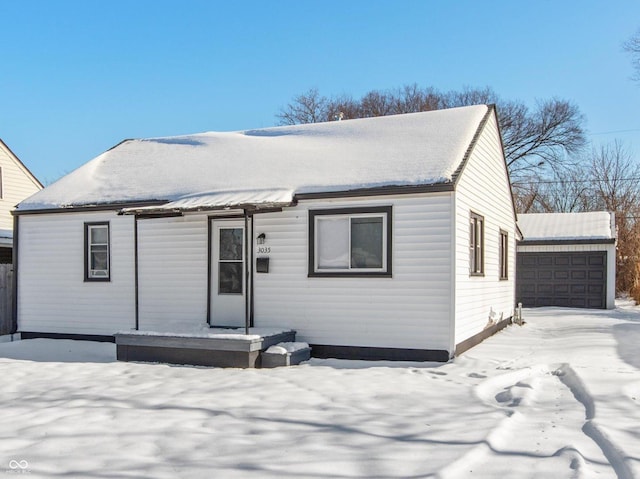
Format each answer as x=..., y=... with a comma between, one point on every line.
x=614, y=455
x=549, y=428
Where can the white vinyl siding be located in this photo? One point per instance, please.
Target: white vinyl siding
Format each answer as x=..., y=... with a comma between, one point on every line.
x=53, y=295
x=17, y=184
x=412, y=309
x=172, y=272
x=483, y=188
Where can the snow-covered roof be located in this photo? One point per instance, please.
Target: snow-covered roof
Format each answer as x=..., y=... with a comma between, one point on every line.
x=567, y=226
x=255, y=198
x=400, y=150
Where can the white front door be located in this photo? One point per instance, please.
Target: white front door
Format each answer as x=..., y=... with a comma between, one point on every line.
x=228, y=278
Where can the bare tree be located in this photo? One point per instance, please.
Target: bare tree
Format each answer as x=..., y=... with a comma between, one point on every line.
x=542, y=139
x=308, y=107
x=411, y=99
x=343, y=108
x=526, y=196
x=570, y=190
x=376, y=103
x=470, y=96
x=633, y=47
x=617, y=189
x=616, y=176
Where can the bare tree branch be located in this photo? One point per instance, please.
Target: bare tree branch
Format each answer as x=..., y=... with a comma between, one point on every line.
x=633, y=47
x=308, y=107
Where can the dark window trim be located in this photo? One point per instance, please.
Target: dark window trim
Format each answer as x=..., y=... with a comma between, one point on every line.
x=87, y=278
x=503, y=258
x=476, y=266
x=387, y=210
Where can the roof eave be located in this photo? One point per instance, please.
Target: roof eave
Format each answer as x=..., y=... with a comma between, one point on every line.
x=180, y=211
x=378, y=191
x=113, y=206
x=564, y=241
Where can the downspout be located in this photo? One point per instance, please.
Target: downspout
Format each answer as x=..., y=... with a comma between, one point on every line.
x=135, y=271
x=209, y=268
x=251, y=263
x=454, y=270
x=14, y=260
x=247, y=320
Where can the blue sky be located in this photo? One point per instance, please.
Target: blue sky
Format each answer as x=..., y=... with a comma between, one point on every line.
x=80, y=76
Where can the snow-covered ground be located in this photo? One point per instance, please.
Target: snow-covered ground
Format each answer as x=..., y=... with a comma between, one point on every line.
x=556, y=398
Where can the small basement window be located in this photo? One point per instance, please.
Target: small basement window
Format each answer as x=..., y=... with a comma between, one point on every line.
x=96, y=258
x=476, y=245
x=350, y=242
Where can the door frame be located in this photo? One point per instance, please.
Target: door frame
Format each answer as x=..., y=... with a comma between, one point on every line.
x=248, y=265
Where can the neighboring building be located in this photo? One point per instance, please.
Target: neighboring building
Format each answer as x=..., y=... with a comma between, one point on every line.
x=390, y=237
x=16, y=184
x=567, y=259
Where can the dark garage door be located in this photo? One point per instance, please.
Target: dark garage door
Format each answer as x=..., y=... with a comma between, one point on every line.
x=574, y=280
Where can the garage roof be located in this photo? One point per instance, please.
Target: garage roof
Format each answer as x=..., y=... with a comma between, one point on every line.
x=593, y=225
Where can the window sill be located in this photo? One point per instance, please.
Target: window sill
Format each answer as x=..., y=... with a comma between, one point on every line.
x=350, y=275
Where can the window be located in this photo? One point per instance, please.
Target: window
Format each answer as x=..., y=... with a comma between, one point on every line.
x=231, y=261
x=96, y=258
x=350, y=242
x=476, y=245
x=504, y=255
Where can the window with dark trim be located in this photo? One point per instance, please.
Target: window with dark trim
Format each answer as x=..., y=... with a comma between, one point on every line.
x=504, y=255
x=476, y=245
x=97, y=252
x=350, y=242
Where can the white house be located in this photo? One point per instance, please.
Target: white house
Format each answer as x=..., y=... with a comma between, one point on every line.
x=389, y=237
x=567, y=259
x=16, y=184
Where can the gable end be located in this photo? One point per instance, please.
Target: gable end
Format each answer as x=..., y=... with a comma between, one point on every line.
x=456, y=175
x=20, y=164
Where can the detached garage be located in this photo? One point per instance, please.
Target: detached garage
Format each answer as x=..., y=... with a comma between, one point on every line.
x=566, y=259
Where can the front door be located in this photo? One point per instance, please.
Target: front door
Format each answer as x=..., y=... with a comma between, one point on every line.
x=228, y=278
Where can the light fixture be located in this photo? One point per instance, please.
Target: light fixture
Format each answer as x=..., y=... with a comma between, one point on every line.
x=261, y=238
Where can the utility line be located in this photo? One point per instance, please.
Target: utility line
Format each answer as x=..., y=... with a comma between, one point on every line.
x=614, y=131
x=550, y=182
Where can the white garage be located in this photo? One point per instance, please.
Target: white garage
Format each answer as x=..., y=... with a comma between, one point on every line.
x=567, y=260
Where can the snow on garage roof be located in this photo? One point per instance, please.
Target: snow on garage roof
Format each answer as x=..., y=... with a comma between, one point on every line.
x=400, y=150
x=567, y=226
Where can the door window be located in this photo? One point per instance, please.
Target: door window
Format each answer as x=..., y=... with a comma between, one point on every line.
x=231, y=260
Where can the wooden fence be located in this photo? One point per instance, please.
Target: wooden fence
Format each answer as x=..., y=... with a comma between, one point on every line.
x=6, y=298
